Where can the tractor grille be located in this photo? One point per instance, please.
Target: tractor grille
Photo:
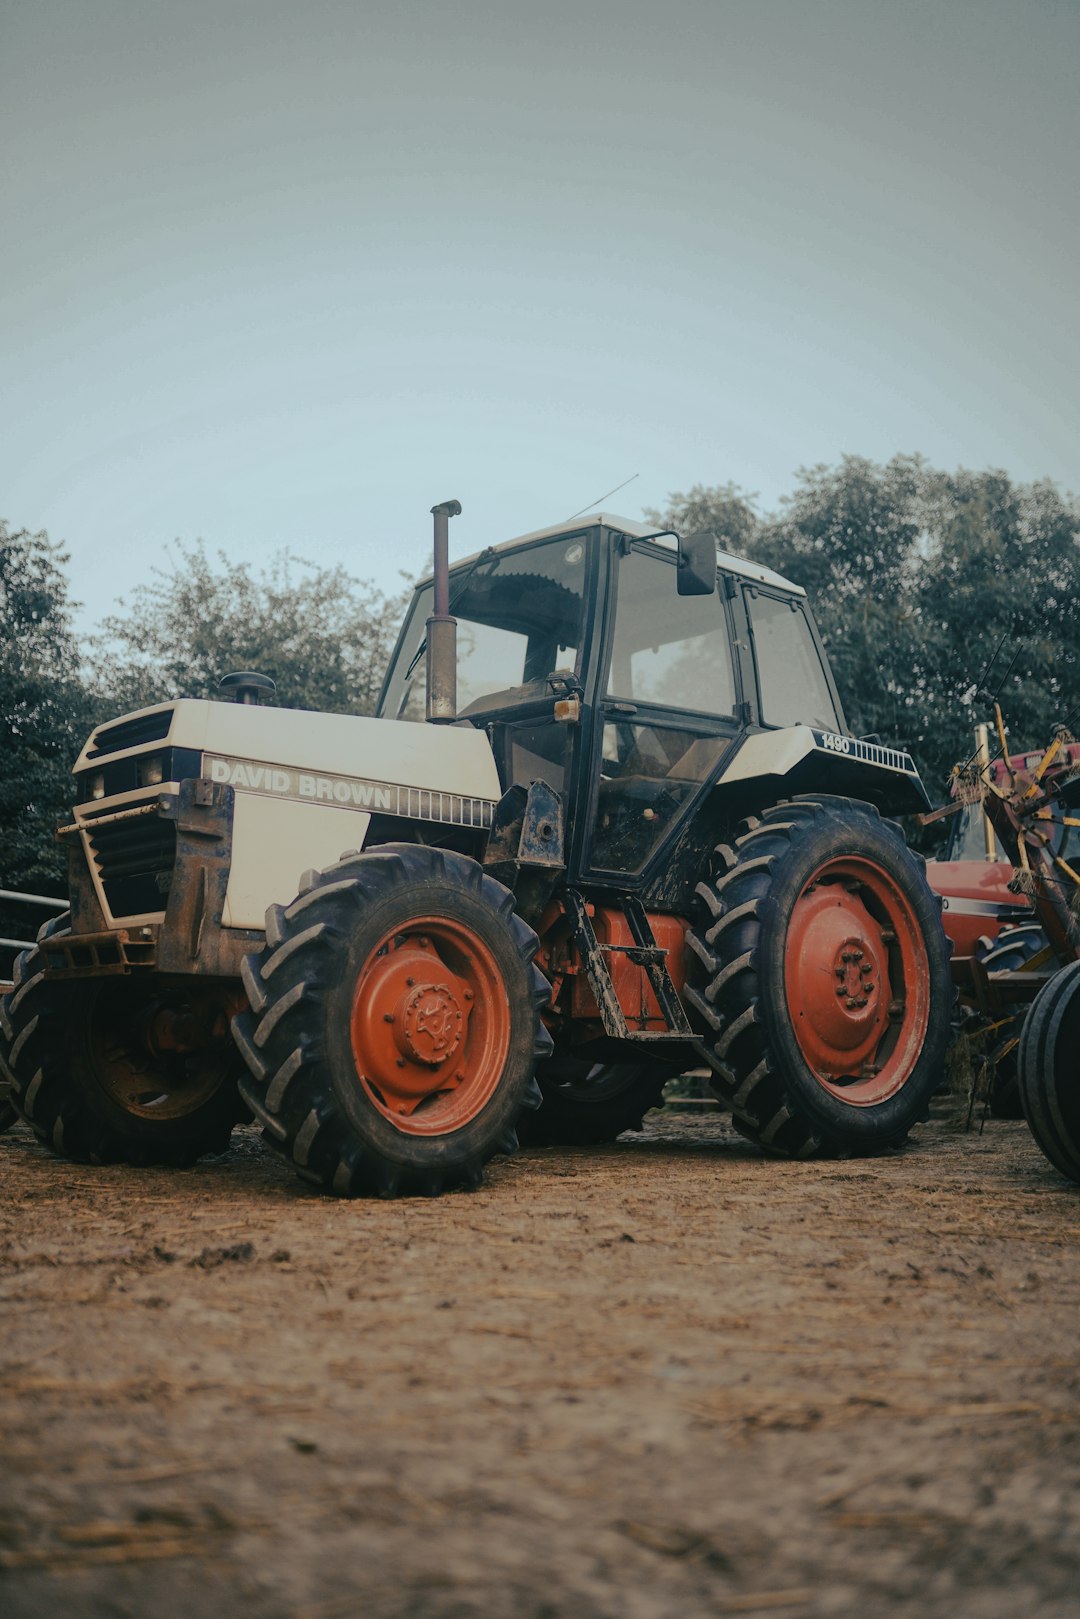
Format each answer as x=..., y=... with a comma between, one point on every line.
x=125, y=775
x=134, y=856
x=131, y=733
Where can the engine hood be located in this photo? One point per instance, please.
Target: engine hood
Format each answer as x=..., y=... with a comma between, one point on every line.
x=257, y=748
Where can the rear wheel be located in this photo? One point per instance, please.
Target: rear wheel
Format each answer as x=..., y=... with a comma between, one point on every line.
x=124, y=1070
x=821, y=980
x=589, y=1102
x=394, y=1023
x=1049, y=1068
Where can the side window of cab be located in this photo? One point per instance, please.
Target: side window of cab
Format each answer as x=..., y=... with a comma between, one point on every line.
x=792, y=684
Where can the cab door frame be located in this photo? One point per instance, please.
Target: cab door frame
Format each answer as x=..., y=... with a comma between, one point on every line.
x=600, y=706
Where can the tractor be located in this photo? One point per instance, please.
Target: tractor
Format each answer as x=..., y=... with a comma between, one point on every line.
x=1027, y=987
x=607, y=824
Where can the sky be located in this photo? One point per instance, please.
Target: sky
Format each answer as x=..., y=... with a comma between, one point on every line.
x=283, y=276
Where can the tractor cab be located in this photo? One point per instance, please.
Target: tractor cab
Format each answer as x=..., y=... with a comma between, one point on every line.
x=593, y=670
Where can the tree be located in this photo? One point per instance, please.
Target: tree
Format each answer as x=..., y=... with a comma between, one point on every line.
x=323, y=636
x=850, y=534
x=1001, y=567
x=915, y=576
x=726, y=512
x=45, y=714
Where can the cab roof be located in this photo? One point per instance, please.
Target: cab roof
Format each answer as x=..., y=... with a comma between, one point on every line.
x=754, y=571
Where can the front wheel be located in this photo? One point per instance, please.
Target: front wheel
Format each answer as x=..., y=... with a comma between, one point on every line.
x=821, y=980
x=394, y=1023
x=121, y=1070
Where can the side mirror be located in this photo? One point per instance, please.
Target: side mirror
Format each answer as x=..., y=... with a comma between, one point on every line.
x=696, y=573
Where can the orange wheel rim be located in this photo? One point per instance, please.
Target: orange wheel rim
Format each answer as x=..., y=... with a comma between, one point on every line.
x=430, y=1026
x=857, y=981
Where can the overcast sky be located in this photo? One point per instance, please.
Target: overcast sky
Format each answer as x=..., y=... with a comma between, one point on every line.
x=287, y=274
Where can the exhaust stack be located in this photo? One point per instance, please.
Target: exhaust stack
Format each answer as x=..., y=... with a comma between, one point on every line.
x=441, y=628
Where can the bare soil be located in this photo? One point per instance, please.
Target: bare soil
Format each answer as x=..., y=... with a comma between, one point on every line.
x=663, y=1378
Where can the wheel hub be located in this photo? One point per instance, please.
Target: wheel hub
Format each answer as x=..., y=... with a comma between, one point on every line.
x=410, y=1025
x=858, y=970
x=838, y=980
x=431, y=1023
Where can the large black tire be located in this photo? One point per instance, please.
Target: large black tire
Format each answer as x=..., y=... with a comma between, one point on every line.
x=337, y=1095
x=821, y=980
x=1012, y=948
x=586, y=1103
x=83, y=1078
x=1049, y=1069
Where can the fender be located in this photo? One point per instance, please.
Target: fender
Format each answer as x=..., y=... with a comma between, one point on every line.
x=807, y=760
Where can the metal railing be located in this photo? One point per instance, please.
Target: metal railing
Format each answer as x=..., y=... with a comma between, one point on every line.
x=43, y=902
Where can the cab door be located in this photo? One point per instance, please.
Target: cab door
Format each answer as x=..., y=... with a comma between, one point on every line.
x=668, y=708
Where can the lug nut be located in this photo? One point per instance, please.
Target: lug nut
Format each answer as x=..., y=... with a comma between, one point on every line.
x=840, y=990
x=866, y=968
x=851, y=1001
x=888, y=936
x=388, y=1017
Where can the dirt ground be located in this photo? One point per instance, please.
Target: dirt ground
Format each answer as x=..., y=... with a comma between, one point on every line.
x=662, y=1378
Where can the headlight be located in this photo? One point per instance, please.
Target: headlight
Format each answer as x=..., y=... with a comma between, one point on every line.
x=151, y=770
x=97, y=785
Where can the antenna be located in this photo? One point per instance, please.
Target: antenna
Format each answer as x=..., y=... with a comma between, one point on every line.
x=976, y=686
x=1008, y=672
x=596, y=502
x=979, y=689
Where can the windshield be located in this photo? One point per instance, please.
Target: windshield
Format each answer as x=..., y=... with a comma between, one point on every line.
x=519, y=619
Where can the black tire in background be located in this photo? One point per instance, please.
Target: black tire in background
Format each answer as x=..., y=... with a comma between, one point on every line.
x=821, y=980
x=1012, y=948
x=586, y=1103
x=1049, y=1070
x=394, y=1023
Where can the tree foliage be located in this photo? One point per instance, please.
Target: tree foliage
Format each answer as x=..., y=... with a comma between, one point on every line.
x=45, y=713
x=915, y=577
x=324, y=637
